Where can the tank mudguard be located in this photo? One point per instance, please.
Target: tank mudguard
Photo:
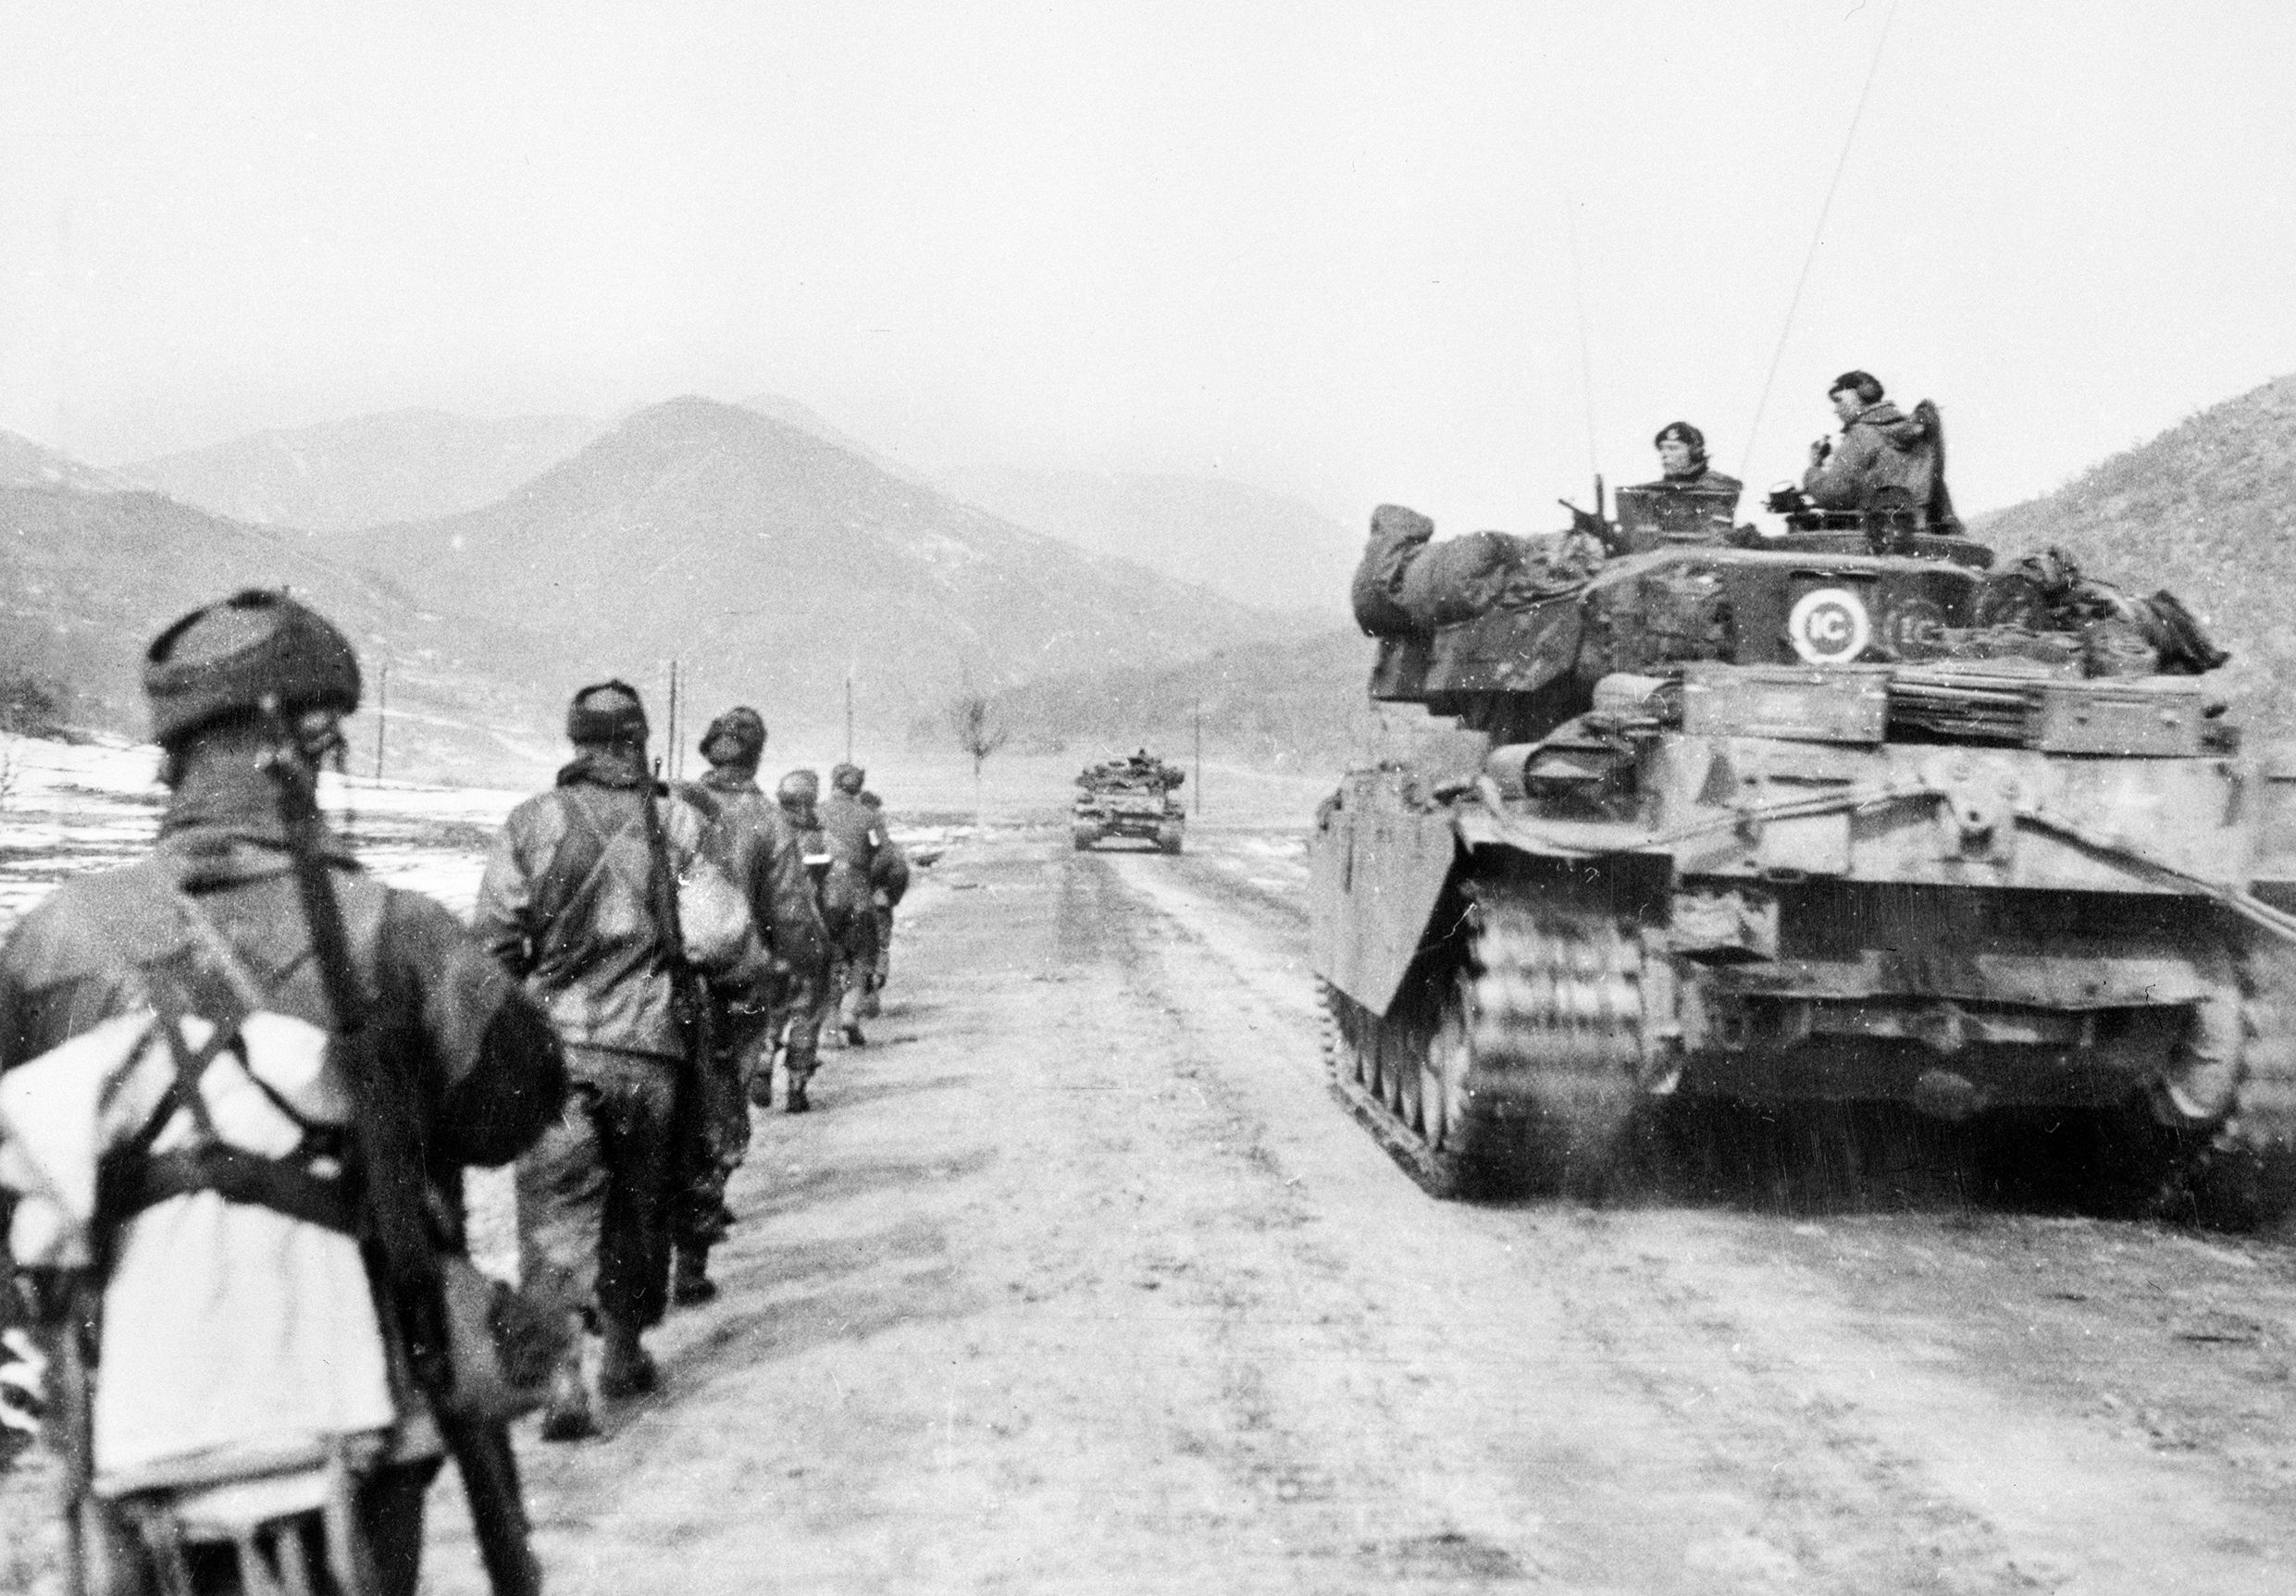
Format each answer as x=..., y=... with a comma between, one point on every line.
x=1377, y=866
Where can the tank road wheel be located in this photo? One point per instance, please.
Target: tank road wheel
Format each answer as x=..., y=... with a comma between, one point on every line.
x=1556, y=1036
x=1405, y=1104
x=1442, y=1077
x=2247, y=1178
x=1378, y=1065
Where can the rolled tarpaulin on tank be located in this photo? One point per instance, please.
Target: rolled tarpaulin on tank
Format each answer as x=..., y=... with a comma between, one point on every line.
x=1398, y=535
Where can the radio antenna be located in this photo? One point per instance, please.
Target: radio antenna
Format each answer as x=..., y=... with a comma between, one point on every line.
x=1586, y=353
x=1824, y=210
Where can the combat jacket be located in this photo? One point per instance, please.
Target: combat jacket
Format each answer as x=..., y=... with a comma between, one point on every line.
x=1881, y=447
x=488, y=1071
x=565, y=906
x=1705, y=479
x=856, y=835
x=760, y=849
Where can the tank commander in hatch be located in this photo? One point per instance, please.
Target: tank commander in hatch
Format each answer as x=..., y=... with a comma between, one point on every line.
x=1885, y=459
x=1683, y=459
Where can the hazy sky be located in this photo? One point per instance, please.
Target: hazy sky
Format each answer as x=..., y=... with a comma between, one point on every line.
x=1358, y=251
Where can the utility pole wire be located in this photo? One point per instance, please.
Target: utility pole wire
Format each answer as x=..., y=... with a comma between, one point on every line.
x=1848, y=143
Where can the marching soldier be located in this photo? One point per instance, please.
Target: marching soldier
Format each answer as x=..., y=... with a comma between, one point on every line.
x=806, y=998
x=888, y=884
x=573, y=903
x=247, y=911
x=856, y=833
x=761, y=851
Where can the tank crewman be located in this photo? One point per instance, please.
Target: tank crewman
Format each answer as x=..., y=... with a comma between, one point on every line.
x=856, y=835
x=1885, y=456
x=567, y=905
x=805, y=999
x=760, y=850
x=888, y=884
x=236, y=688
x=1682, y=462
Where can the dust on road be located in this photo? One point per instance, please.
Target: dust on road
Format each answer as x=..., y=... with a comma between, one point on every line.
x=1081, y=1281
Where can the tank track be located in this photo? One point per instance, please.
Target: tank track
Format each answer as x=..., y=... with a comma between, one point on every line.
x=1557, y=1033
x=2247, y=1178
x=1540, y=1038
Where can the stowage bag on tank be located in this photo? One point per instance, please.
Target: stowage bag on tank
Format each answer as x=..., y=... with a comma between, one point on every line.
x=1397, y=536
x=1448, y=582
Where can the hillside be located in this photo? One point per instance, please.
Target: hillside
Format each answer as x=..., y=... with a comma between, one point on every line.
x=2207, y=510
x=1246, y=544
x=88, y=577
x=769, y=560
x=399, y=466
x=24, y=463
x=1293, y=705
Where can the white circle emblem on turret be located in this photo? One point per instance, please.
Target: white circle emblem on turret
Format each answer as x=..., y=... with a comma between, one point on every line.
x=1830, y=626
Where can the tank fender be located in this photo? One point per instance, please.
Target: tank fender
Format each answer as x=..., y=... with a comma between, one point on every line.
x=1376, y=873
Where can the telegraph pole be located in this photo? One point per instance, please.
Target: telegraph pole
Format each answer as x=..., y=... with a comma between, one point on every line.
x=1199, y=753
x=382, y=714
x=669, y=754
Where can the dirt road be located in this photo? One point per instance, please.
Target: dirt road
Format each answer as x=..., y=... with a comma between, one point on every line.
x=1081, y=1281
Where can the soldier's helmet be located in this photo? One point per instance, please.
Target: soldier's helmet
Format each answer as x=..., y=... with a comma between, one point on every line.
x=254, y=651
x=798, y=791
x=736, y=737
x=606, y=712
x=848, y=778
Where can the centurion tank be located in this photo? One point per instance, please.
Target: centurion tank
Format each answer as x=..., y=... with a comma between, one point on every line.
x=1674, y=812
x=1133, y=798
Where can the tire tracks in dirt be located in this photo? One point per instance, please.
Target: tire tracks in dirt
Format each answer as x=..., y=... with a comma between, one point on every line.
x=1870, y=1457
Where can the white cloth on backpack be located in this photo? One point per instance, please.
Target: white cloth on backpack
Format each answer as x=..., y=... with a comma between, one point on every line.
x=236, y=1340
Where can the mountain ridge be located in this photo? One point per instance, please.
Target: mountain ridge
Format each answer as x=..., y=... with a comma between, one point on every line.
x=772, y=561
x=386, y=465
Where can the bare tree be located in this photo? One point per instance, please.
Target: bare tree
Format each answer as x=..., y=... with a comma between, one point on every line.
x=981, y=730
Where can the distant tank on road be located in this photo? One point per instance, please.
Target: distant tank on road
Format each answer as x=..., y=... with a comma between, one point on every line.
x=1130, y=798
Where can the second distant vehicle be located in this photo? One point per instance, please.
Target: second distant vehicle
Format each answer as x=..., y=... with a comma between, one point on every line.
x=1135, y=797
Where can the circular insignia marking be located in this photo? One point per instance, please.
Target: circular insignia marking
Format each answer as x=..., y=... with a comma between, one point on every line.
x=1830, y=626
x=1914, y=630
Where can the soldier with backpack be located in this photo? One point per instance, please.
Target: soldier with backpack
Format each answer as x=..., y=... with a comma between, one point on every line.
x=761, y=851
x=856, y=835
x=888, y=884
x=238, y=1081
x=806, y=998
x=599, y=897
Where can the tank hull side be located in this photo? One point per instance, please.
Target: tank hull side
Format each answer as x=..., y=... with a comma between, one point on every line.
x=1377, y=866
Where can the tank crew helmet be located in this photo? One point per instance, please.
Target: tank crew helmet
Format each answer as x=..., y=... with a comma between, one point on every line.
x=1688, y=436
x=847, y=778
x=606, y=713
x=1864, y=384
x=252, y=653
x=736, y=739
x=798, y=790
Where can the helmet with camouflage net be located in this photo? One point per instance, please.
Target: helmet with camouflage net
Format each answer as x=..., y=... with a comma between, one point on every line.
x=257, y=649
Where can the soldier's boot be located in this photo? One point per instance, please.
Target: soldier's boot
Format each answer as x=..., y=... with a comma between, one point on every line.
x=793, y=1099
x=568, y=1415
x=627, y=1368
x=689, y=1280
x=761, y=1083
